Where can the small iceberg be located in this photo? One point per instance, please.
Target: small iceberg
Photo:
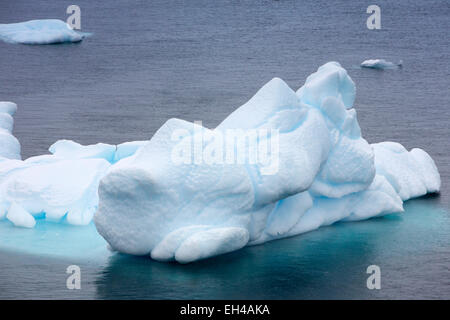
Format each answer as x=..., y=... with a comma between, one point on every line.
x=47, y=31
x=380, y=64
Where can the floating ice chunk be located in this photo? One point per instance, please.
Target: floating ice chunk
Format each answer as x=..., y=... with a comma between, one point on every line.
x=380, y=64
x=412, y=174
x=47, y=31
x=20, y=217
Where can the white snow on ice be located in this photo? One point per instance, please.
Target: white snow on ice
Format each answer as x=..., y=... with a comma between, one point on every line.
x=145, y=204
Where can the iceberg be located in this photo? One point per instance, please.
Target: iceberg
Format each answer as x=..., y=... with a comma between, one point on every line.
x=176, y=198
x=284, y=163
x=380, y=64
x=47, y=31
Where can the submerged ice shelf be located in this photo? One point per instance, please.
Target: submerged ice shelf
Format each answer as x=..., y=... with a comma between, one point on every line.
x=145, y=203
x=47, y=31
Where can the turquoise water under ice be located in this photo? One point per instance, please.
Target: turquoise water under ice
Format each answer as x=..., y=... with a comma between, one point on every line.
x=412, y=250
x=198, y=60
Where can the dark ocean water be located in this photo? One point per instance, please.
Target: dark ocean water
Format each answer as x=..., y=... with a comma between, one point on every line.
x=149, y=61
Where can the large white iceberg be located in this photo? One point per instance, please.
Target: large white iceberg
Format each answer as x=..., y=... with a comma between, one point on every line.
x=47, y=31
x=188, y=194
x=190, y=208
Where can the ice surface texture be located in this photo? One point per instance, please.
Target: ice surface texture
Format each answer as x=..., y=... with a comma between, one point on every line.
x=48, y=31
x=145, y=203
x=149, y=205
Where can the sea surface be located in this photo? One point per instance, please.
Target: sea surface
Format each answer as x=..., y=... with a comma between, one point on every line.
x=148, y=61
